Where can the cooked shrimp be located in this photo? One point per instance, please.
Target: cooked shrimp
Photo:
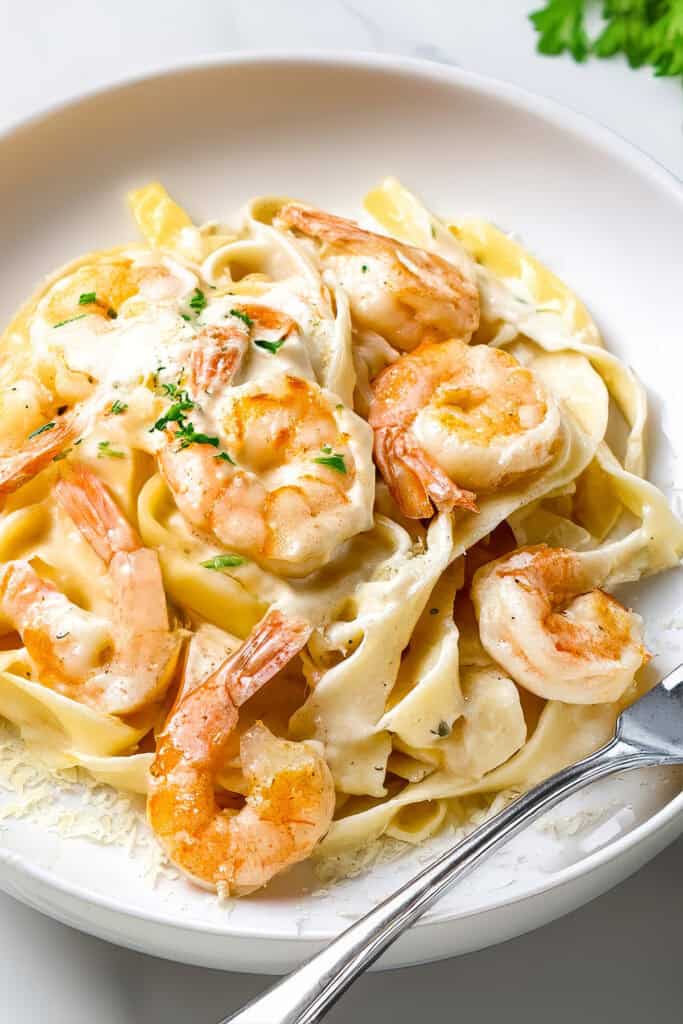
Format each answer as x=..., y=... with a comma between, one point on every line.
x=401, y=292
x=218, y=351
x=295, y=478
x=20, y=466
x=118, y=666
x=113, y=285
x=290, y=801
x=449, y=416
x=540, y=619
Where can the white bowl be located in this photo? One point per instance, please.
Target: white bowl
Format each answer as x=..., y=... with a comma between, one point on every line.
x=326, y=128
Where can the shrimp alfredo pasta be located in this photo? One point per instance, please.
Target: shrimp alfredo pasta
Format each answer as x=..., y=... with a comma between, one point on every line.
x=309, y=532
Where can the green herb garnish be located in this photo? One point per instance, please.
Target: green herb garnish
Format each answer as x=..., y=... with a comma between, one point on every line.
x=270, y=346
x=118, y=407
x=87, y=298
x=364, y=268
x=41, y=430
x=187, y=435
x=69, y=321
x=223, y=562
x=645, y=31
x=244, y=317
x=224, y=457
x=105, y=451
x=61, y=455
x=198, y=301
x=186, y=316
x=333, y=460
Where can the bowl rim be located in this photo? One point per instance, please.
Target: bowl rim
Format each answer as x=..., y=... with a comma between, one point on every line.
x=559, y=115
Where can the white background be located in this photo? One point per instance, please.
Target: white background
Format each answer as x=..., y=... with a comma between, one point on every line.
x=615, y=960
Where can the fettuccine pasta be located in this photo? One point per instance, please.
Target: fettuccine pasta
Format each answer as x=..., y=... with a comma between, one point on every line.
x=309, y=532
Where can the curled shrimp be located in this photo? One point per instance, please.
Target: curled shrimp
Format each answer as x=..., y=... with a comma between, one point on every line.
x=290, y=801
x=21, y=465
x=450, y=416
x=293, y=480
x=219, y=350
x=401, y=292
x=118, y=666
x=540, y=619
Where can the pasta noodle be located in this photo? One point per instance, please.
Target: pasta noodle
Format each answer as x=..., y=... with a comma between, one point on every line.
x=192, y=517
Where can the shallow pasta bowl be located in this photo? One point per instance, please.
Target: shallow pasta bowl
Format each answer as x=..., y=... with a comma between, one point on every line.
x=327, y=128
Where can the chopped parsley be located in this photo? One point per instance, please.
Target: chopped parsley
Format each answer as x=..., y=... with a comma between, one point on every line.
x=69, y=321
x=87, y=298
x=333, y=460
x=198, y=301
x=244, y=317
x=185, y=432
x=227, y=561
x=187, y=435
x=41, y=430
x=105, y=451
x=118, y=407
x=224, y=457
x=364, y=268
x=186, y=316
x=61, y=455
x=270, y=346
x=176, y=412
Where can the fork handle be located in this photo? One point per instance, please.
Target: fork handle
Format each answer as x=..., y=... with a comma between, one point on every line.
x=305, y=995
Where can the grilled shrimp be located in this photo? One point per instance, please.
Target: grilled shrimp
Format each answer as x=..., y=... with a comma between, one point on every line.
x=116, y=666
x=450, y=416
x=403, y=293
x=542, y=622
x=294, y=478
x=290, y=801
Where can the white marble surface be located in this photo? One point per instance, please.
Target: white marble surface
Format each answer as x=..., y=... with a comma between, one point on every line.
x=615, y=960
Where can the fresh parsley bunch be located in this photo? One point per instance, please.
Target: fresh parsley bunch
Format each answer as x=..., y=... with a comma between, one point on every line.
x=646, y=31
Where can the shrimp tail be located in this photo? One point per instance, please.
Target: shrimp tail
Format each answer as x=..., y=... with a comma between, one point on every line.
x=320, y=224
x=270, y=646
x=217, y=356
x=86, y=500
x=415, y=480
x=20, y=467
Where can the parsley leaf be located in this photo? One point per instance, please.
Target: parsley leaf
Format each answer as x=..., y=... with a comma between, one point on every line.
x=646, y=31
x=69, y=321
x=61, y=455
x=87, y=298
x=198, y=301
x=224, y=457
x=561, y=27
x=41, y=430
x=227, y=561
x=241, y=315
x=333, y=460
x=666, y=38
x=118, y=407
x=187, y=435
x=269, y=346
x=105, y=451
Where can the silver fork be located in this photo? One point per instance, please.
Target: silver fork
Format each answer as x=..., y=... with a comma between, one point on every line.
x=648, y=733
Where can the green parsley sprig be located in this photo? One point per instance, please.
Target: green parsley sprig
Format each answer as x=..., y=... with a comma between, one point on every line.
x=333, y=460
x=647, y=32
x=227, y=561
x=185, y=432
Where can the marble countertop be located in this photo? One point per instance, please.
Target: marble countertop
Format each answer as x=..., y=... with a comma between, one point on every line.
x=613, y=960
